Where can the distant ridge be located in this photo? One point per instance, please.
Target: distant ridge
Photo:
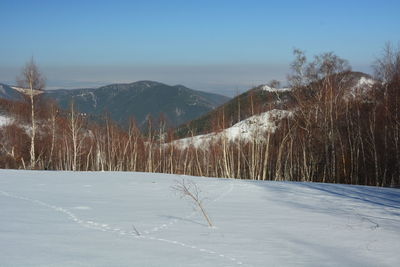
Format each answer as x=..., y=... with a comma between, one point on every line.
x=9, y=93
x=140, y=100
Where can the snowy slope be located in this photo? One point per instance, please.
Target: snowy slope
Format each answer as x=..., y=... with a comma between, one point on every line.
x=253, y=127
x=364, y=81
x=275, y=90
x=362, y=86
x=87, y=218
x=5, y=120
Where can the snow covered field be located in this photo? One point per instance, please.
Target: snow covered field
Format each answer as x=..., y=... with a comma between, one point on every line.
x=88, y=219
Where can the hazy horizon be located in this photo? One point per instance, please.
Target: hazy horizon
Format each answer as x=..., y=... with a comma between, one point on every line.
x=227, y=80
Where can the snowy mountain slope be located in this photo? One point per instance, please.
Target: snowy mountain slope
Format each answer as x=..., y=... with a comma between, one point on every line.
x=8, y=92
x=241, y=107
x=87, y=219
x=272, y=89
x=253, y=127
x=265, y=98
x=5, y=120
x=362, y=86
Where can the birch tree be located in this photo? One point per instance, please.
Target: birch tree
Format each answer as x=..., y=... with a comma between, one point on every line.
x=32, y=80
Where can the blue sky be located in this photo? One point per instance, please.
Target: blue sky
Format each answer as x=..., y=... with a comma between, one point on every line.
x=209, y=45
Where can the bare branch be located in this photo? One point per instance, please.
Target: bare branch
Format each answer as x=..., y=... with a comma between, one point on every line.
x=191, y=190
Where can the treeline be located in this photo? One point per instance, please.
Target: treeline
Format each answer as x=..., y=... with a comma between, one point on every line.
x=336, y=133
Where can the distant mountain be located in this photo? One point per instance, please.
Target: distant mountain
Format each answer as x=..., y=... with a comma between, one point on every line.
x=9, y=93
x=140, y=100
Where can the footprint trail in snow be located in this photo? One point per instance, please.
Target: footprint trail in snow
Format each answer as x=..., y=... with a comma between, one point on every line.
x=133, y=233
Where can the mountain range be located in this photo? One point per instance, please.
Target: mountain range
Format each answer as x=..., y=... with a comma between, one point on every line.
x=191, y=112
x=139, y=100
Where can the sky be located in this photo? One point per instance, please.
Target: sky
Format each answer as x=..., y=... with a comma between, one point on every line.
x=211, y=45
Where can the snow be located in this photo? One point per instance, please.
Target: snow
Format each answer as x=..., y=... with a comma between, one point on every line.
x=27, y=91
x=89, y=219
x=363, y=81
x=5, y=120
x=274, y=90
x=362, y=86
x=256, y=125
x=253, y=127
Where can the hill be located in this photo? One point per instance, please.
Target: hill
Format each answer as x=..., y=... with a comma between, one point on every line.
x=245, y=105
x=261, y=99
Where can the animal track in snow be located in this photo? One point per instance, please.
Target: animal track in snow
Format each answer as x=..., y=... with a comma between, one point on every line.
x=106, y=228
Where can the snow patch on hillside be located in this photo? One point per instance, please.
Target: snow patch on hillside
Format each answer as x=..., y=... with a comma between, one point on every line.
x=88, y=95
x=363, y=81
x=5, y=120
x=27, y=91
x=274, y=90
x=363, y=86
x=253, y=127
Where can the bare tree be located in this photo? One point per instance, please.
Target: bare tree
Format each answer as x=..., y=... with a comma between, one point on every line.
x=32, y=79
x=191, y=190
x=274, y=83
x=53, y=117
x=75, y=126
x=387, y=67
